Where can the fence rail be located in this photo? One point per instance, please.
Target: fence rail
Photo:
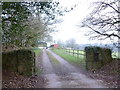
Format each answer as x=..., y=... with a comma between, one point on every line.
x=75, y=52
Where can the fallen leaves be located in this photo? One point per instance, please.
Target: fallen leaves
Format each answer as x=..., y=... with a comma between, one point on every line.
x=13, y=80
x=108, y=74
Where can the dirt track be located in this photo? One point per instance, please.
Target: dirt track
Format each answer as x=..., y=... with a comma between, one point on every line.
x=65, y=75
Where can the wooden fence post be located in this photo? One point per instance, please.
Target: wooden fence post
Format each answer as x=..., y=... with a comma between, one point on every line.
x=69, y=51
x=34, y=71
x=77, y=53
x=73, y=52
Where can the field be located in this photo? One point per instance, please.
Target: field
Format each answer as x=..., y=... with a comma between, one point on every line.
x=37, y=51
x=81, y=52
x=116, y=55
x=77, y=53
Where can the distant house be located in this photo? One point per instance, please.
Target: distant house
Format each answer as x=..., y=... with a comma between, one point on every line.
x=55, y=46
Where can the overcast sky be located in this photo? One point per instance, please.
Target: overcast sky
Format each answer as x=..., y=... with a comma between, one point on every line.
x=69, y=27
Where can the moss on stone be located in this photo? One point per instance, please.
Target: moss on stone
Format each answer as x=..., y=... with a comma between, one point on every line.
x=21, y=61
x=97, y=57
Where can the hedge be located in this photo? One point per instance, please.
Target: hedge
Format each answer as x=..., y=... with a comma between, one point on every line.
x=21, y=61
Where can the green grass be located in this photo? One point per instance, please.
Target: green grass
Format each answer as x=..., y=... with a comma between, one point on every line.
x=38, y=71
x=37, y=51
x=116, y=55
x=70, y=58
x=51, y=57
x=76, y=51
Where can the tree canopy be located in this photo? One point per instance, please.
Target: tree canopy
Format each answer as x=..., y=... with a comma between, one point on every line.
x=71, y=43
x=13, y=17
x=104, y=20
x=24, y=23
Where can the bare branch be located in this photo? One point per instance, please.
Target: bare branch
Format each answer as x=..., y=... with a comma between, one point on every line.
x=103, y=21
x=104, y=34
x=110, y=6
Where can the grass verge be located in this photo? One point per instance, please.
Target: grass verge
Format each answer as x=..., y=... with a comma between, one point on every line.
x=51, y=57
x=76, y=60
x=37, y=51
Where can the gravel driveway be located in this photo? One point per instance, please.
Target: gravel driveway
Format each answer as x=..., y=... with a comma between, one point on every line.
x=65, y=75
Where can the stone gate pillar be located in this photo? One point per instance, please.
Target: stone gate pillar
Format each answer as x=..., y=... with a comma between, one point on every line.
x=97, y=57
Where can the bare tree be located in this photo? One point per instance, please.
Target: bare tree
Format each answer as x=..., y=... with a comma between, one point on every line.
x=71, y=43
x=61, y=43
x=104, y=20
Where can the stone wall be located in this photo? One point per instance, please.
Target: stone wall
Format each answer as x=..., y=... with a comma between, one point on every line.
x=97, y=57
x=21, y=61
